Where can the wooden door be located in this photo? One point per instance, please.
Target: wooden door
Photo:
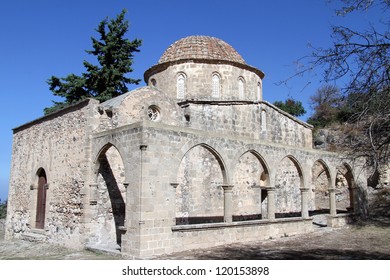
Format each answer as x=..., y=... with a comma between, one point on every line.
x=41, y=201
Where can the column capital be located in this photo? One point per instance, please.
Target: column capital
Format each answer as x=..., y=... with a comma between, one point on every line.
x=270, y=189
x=304, y=189
x=174, y=185
x=332, y=190
x=227, y=187
x=125, y=184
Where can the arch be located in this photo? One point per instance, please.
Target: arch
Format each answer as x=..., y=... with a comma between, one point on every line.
x=40, y=213
x=251, y=176
x=298, y=167
x=265, y=176
x=181, y=85
x=216, y=85
x=190, y=145
x=345, y=188
x=288, y=182
x=321, y=183
x=102, y=151
x=199, y=195
x=110, y=212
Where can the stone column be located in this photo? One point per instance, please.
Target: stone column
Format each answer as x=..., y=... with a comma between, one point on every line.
x=258, y=188
x=174, y=188
x=93, y=194
x=332, y=201
x=228, y=203
x=271, y=203
x=355, y=200
x=305, y=202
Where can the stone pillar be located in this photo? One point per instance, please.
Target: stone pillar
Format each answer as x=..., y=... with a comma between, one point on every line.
x=271, y=203
x=258, y=188
x=227, y=203
x=305, y=202
x=332, y=201
x=174, y=187
x=93, y=194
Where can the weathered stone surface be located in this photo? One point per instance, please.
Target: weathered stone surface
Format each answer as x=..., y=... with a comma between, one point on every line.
x=151, y=173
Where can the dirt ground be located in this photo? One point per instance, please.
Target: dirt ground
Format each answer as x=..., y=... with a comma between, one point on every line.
x=368, y=240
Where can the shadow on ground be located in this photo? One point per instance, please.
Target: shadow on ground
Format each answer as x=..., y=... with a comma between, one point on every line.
x=361, y=241
x=291, y=254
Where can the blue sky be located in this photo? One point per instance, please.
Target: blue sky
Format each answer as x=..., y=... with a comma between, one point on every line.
x=42, y=38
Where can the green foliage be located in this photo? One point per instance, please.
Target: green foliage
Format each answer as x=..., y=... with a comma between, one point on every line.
x=291, y=106
x=3, y=209
x=326, y=103
x=106, y=80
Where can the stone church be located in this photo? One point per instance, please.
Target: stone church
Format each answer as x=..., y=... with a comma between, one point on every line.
x=194, y=159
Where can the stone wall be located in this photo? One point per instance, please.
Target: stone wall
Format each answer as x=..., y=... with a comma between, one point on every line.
x=244, y=119
x=202, y=236
x=198, y=84
x=59, y=145
x=176, y=158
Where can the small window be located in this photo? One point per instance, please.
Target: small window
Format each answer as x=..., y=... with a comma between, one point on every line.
x=241, y=88
x=181, y=86
x=259, y=91
x=263, y=120
x=153, y=113
x=216, y=85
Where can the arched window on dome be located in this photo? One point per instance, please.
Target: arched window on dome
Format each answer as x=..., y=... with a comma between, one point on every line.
x=181, y=86
x=241, y=88
x=259, y=93
x=216, y=79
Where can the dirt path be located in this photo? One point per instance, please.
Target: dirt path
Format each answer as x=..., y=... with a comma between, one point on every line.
x=368, y=241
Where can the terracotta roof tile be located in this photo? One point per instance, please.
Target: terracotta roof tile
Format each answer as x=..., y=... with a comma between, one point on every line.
x=201, y=47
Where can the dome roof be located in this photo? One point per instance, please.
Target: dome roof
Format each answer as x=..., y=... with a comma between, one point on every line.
x=201, y=47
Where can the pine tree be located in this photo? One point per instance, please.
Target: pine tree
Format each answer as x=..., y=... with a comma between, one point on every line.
x=106, y=80
x=291, y=106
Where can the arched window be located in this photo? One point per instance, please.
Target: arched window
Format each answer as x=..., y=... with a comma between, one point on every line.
x=181, y=86
x=263, y=120
x=259, y=91
x=216, y=85
x=241, y=88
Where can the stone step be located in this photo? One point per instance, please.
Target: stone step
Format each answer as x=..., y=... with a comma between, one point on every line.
x=33, y=237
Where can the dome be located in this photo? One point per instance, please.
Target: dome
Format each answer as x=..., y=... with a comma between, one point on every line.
x=201, y=47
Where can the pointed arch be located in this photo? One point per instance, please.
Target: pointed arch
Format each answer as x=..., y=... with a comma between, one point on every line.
x=110, y=197
x=216, y=85
x=321, y=183
x=250, y=178
x=199, y=195
x=181, y=85
x=345, y=188
x=288, y=182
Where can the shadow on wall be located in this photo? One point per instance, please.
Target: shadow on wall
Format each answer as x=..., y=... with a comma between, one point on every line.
x=117, y=202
